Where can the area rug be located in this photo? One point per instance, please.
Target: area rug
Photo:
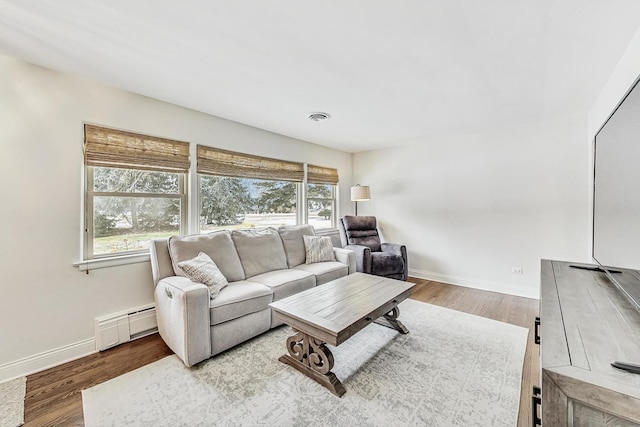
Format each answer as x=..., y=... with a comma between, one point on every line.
x=452, y=369
x=12, y=402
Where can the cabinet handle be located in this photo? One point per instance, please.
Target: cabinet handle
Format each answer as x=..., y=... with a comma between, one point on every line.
x=536, y=403
x=536, y=331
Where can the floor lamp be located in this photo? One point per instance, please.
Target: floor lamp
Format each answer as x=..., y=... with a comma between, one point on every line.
x=360, y=193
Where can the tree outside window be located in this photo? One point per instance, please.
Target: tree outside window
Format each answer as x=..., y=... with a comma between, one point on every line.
x=228, y=202
x=321, y=205
x=132, y=207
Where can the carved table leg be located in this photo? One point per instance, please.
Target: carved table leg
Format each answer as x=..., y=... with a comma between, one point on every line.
x=391, y=321
x=311, y=356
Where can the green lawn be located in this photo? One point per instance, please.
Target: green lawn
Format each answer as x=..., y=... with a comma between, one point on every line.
x=127, y=242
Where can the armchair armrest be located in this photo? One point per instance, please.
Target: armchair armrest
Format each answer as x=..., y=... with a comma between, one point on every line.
x=346, y=256
x=397, y=249
x=394, y=248
x=363, y=257
x=182, y=309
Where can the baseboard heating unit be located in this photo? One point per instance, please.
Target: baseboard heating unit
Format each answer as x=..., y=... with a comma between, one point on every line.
x=125, y=326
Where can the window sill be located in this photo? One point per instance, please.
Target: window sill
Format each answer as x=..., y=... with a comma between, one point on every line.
x=94, y=264
x=326, y=231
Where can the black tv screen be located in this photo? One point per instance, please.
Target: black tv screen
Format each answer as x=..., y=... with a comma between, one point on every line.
x=616, y=201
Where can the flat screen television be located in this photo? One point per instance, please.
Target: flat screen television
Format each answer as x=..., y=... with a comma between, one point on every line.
x=616, y=199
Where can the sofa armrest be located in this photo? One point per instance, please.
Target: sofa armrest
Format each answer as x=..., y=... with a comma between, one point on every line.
x=346, y=256
x=397, y=249
x=363, y=257
x=182, y=309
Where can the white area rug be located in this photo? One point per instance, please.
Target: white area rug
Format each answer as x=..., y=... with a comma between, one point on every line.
x=12, y=402
x=452, y=369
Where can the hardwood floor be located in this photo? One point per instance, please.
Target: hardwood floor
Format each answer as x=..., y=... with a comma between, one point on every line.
x=54, y=396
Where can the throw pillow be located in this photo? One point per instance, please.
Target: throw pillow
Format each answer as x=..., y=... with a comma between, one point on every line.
x=202, y=269
x=318, y=249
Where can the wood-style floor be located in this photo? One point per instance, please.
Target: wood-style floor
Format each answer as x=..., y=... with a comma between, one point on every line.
x=54, y=396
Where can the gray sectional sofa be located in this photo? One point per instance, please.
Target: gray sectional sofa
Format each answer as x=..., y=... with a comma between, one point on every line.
x=261, y=266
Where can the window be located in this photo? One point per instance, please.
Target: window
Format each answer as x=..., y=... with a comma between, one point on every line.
x=321, y=205
x=135, y=190
x=321, y=196
x=229, y=202
x=239, y=190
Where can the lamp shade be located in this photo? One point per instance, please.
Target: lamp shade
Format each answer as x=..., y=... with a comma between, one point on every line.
x=360, y=193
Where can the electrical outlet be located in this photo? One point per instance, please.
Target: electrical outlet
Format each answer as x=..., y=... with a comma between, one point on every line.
x=517, y=270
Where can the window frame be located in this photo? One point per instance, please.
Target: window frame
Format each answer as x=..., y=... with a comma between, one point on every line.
x=89, y=220
x=139, y=152
x=334, y=191
x=198, y=215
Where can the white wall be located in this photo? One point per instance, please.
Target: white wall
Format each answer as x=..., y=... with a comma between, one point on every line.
x=471, y=207
x=624, y=75
x=48, y=306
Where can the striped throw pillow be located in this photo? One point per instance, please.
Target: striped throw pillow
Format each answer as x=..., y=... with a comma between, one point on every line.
x=318, y=249
x=202, y=269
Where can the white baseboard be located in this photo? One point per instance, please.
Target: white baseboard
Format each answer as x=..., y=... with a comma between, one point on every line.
x=503, y=288
x=47, y=359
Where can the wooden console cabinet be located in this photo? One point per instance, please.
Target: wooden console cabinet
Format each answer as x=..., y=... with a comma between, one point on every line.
x=586, y=323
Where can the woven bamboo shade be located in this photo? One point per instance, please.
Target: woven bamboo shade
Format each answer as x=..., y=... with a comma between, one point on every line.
x=214, y=161
x=119, y=149
x=321, y=175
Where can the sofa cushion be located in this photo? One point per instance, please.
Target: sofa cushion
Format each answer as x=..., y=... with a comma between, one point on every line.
x=218, y=245
x=202, y=269
x=286, y=282
x=325, y=271
x=238, y=299
x=293, y=242
x=385, y=263
x=362, y=230
x=260, y=250
x=318, y=249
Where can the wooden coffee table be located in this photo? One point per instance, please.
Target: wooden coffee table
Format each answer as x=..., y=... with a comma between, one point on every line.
x=331, y=314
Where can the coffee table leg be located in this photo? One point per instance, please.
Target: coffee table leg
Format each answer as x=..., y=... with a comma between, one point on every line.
x=392, y=321
x=311, y=356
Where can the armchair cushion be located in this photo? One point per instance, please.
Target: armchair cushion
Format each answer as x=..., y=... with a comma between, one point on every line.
x=386, y=263
x=362, y=230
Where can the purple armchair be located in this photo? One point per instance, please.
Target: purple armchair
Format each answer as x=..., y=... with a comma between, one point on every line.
x=360, y=234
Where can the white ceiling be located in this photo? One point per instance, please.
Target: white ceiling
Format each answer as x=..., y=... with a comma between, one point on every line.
x=388, y=72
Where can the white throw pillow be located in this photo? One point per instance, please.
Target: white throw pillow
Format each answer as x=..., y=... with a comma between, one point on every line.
x=202, y=269
x=318, y=249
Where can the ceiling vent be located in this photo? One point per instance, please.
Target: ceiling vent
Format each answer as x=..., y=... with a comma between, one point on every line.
x=318, y=117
